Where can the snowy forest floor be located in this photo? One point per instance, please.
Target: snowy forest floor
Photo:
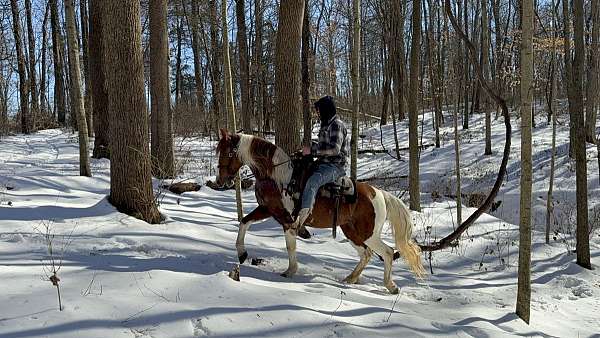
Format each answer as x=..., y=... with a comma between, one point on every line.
x=121, y=277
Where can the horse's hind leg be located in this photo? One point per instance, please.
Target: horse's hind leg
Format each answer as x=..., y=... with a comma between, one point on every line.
x=387, y=253
x=255, y=215
x=365, y=256
x=290, y=243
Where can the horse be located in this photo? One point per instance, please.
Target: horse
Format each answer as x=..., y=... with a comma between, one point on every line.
x=361, y=221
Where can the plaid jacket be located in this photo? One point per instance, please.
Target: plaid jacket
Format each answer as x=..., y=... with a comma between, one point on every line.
x=332, y=146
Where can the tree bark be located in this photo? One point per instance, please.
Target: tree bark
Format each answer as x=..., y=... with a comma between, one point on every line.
x=23, y=84
x=77, y=104
x=583, y=245
x=356, y=95
x=85, y=47
x=98, y=90
x=35, y=99
x=305, y=55
x=130, y=169
x=524, y=275
x=58, y=57
x=197, y=59
x=485, y=67
x=568, y=69
x=162, y=117
x=593, y=79
x=229, y=101
x=43, y=97
x=287, y=74
x=215, y=74
x=413, y=113
x=246, y=107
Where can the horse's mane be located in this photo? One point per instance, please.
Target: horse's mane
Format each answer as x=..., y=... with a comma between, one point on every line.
x=264, y=158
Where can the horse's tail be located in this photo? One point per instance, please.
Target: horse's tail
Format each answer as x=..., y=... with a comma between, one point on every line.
x=399, y=217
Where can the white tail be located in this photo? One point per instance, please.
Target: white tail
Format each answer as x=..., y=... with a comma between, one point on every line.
x=399, y=217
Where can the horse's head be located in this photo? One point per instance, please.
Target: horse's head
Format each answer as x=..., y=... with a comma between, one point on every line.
x=229, y=161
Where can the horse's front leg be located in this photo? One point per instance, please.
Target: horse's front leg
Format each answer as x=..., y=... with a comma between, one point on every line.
x=290, y=243
x=256, y=215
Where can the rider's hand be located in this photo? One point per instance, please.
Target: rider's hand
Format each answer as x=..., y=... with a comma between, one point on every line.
x=306, y=150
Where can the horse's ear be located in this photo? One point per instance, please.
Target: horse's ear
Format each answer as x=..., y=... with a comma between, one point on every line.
x=224, y=134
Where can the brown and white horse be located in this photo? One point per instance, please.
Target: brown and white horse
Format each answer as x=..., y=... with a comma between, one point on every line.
x=361, y=221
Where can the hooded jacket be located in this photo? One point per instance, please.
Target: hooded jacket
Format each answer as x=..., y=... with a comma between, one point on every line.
x=332, y=146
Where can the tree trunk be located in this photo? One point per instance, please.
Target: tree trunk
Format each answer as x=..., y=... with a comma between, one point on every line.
x=568, y=69
x=97, y=82
x=305, y=54
x=197, y=59
x=58, y=57
x=246, y=108
x=178, y=74
x=593, y=79
x=130, y=177
x=485, y=67
x=215, y=74
x=287, y=74
x=43, y=97
x=413, y=113
x=23, y=85
x=583, y=245
x=35, y=99
x=355, y=71
x=259, y=78
x=524, y=276
x=229, y=101
x=162, y=117
x=85, y=47
x=77, y=104
x=552, y=112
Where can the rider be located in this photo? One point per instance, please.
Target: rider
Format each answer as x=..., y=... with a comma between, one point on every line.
x=331, y=151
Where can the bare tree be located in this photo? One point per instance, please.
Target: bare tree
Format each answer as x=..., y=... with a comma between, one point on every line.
x=99, y=95
x=23, y=85
x=355, y=85
x=576, y=108
x=162, y=117
x=524, y=276
x=229, y=102
x=77, y=103
x=35, y=100
x=58, y=57
x=413, y=113
x=130, y=169
x=287, y=74
x=245, y=109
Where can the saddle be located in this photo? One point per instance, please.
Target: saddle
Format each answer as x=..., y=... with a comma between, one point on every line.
x=342, y=190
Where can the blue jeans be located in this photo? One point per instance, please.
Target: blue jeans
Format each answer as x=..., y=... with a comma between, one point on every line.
x=325, y=173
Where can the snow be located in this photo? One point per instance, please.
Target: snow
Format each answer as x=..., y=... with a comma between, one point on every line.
x=121, y=277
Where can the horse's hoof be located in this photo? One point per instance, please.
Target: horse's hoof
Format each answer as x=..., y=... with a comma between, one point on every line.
x=393, y=290
x=288, y=273
x=243, y=257
x=303, y=233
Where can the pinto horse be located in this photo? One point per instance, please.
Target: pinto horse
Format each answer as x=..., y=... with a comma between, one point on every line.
x=361, y=221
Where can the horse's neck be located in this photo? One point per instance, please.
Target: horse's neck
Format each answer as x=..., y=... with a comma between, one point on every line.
x=280, y=162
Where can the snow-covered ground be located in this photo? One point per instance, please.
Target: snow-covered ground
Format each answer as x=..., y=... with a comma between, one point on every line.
x=121, y=277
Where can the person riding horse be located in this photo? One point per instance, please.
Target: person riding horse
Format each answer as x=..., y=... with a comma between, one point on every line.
x=331, y=152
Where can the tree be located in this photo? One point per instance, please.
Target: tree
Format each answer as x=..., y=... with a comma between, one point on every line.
x=77, y=103
x=527, y=88
x=576, y=108
x=58, y=57
x=287, y=74
x=355, y=85
x=35, y=102
x=85, y=48
x=23, y=87
x=245, y=109
x=485, y=67
x=229, y=102
x=593, y=80
x=215, y=68
x=162, y=117
x=413, y=113
x=130, y=177
x=98, y=90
